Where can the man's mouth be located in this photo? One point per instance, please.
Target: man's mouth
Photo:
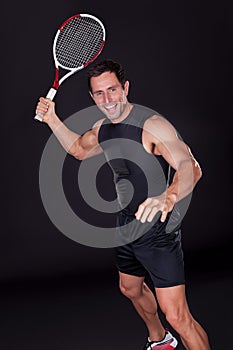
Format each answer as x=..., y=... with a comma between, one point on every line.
x=110, y=106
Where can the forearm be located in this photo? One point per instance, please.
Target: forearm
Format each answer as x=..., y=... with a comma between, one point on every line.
x=66, y=137
x=185, y=179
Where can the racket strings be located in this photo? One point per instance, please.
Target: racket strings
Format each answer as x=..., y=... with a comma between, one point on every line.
x=78, y=42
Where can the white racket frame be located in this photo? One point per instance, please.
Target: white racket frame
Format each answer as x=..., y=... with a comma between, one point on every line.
x=52, y=91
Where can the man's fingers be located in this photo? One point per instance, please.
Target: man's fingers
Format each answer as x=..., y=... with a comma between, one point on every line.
x=141, y=209
x=147, y=210
x=45, y=100
x=164, y=215
x=166, y=209
x=150, y=207
x=145, y=214
x=152, y=214
x=43, y=105
x=138, y=214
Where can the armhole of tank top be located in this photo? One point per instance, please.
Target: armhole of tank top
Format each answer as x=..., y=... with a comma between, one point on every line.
x=100, y=128
x=143, y=123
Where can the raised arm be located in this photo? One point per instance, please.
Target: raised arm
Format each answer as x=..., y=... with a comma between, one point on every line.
x=81, y=147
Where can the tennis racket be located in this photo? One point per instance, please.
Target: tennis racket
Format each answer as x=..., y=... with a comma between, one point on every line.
x=77, y=43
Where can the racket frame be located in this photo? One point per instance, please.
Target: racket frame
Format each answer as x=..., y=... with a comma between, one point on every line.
x=56, y=84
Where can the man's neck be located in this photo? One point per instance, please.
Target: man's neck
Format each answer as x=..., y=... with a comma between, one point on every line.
x=124, y=115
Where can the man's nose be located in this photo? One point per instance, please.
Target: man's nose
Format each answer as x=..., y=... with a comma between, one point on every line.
x=107, y=97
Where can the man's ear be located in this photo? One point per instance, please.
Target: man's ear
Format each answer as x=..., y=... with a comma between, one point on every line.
x=126, y=88
x=90, y=93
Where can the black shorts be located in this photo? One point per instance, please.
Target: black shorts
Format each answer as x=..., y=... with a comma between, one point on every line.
x=156, y=252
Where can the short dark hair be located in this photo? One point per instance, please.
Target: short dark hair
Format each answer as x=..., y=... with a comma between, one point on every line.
x=107, y=66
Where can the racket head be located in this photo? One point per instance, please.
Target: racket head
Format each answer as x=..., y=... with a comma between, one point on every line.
x=78, y=42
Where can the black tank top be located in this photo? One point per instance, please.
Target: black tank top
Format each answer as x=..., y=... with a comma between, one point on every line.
x=137, y=173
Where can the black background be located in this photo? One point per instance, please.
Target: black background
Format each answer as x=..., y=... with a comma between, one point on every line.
x=178, y=58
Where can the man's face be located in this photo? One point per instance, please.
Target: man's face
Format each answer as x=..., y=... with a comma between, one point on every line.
x=109, y=95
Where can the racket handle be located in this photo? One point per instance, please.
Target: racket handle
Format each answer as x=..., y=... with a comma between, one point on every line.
x=52, y=92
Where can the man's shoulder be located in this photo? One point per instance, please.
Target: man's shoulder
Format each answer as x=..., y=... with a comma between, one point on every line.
x=98, y=123
x=144, y=110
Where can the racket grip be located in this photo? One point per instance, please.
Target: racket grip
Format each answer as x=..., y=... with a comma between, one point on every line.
x=52, y=92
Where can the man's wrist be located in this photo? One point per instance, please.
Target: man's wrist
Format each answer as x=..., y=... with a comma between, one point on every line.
x=172, y=197
x=54, y=122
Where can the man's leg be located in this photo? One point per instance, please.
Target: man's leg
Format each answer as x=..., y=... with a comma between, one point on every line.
x=174, y=305
x=144, y=302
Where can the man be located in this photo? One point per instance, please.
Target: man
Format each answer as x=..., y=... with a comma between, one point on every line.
x=158, y=250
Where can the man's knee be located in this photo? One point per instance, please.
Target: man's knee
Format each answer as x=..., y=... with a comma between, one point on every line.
x=131, y=288
x=179, y=319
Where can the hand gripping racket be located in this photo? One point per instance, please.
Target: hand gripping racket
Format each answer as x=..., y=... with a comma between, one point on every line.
x=78, y=42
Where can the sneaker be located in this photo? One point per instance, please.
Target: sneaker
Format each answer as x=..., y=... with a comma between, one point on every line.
x=168, y=343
